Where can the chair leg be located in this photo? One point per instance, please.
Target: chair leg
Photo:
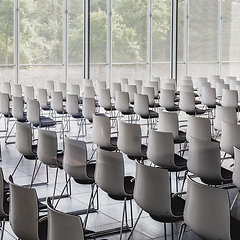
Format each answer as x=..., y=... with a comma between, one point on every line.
x=234, y=200
x=181, y=231
x=135, y=224
x=123, y=215
x=3, y=226
x=55, y=184
x=17, y=165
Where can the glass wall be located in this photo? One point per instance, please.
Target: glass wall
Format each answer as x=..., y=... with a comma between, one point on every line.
x=75, y=41
x=40, y=42
x=98, y=40
x=203, y=38
x=6, y=40
x=208, y=39
x=231, y=38
x=129, y=39
x=161, y=26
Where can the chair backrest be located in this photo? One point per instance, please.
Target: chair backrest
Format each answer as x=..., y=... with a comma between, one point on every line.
x=168, y=86
x=227, y=79
x=75, y=158
x=141, y=105
x=129, y=139
x=201, y=85
x=167, y=98
x=50, y=87
x=123, y=82
x=155, y=86
x=72, y=104
x=88, y=92
x=101, y=130
x=42, y=97
x=18, y=108
x=17, y=90
x=62, y=87
x=187, y=101
x=220, y=87
x=152, y=190
x=4, y=104
x=215, y=81
x=138, y=84
x=88, y=108
x=122, y=101
x=6, y=88
x=3, y=210
x=213, y=77
x=230, y=137
x=232, y=84
x=187, y=83
x=186, y=78
x=29, y=93
x=208, y=96
x=160, y=149
x=204, y=159
x=104, y=98
x=87, y=83
x=207, y=212
x=199, y=127
x=226, y=114
x=33, y=112
x=238, y=90
x=168, y=122
x=229, y=98
x=186, y=88
x=24, y=138
x=47, y=147
x=57, y=101
x=109, y=173
x=63, y=226
x=100, y=85
x=157, y=79
x=149, y=91
x=236, y=169
x=23, y=215
x=131, y=89
x=115, y=87
x=75, y=89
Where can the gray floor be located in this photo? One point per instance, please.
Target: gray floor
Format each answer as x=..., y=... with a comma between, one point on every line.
x=110, y=211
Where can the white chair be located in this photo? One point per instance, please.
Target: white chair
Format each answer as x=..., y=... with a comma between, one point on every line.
x=88, y=108
x=201, y=85
x=209, y=97
x=131, y=89
x=17, y=90
x=167, y=100
x=207, y=213
x=6, y=88
x=62, y=87
x=24, y=215
x=152, y=193
x=73, y=110
x=123, y=82
x=187, y=104
x=226, y=114
x=230, y=98
x=100, y=85
x=104, y=101
x=101, y=133
x=230, y=138
x=57, y=105
x=49, y=87
x=219, y=89
x=149, y=91
x=216, y=81
x=87, y=83
x=43, y=99
x=130, y=141
x=204, y=160
x=29, y=93
x=229, y=78
x=75, y=89
x=115, y=87
x=110, y=177
x=168, y=122
x=18, y=109
x=139, y=84
x=155, y=86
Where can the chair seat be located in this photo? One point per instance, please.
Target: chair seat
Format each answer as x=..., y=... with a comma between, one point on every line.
x=113, y=142
x=197, y=111
x=155, y=105
x=152, y=114
x=174, y=108
x=45, y=122
x=34, y=153
x=129, y=112
x=143, y=156
x=181, y=137
x=234, y=228
x=226, y=178
x=128, y=187
x=177, y=209
x=79, y=114
x=90, y=174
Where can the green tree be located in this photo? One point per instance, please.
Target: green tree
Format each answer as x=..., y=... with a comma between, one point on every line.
x=6, y=30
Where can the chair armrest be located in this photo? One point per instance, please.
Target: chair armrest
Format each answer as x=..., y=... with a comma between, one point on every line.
x=178, y=194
